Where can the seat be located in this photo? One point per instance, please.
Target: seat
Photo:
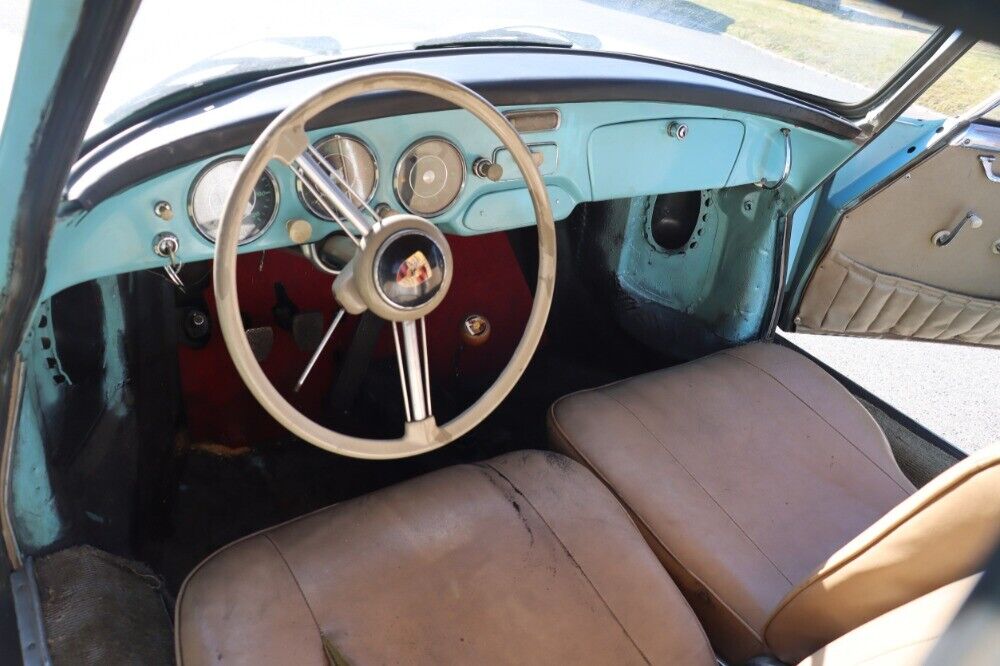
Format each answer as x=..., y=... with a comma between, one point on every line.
x=526, y=558
x=772, y=497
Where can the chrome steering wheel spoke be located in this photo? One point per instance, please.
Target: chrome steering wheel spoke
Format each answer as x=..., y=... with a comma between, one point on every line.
x=334, y=194
x=414, y=370
x=319, y=349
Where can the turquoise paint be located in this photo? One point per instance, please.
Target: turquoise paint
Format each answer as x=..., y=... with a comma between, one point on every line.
x=681, y=279
x=37, y=519
x=799, y=223
x=116, y=237
x=47, y=34
x=723, y=277
x=35, y=513
x=641, y=158
x=510, y=209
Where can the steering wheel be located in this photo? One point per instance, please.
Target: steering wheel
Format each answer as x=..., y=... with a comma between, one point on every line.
x=400, y=271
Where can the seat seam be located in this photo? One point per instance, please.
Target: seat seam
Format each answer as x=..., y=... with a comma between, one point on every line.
x=298, y=586
x=569, y=553
x=604, y=479
x=703, y=488
x=821, y=418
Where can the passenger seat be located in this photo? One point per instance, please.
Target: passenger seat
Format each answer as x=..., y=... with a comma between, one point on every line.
x=770, y=494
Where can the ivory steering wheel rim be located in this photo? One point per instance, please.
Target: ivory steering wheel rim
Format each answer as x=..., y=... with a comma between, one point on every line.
x=285, y=140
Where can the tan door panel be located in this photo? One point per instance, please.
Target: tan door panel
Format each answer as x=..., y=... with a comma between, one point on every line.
x=884, y=276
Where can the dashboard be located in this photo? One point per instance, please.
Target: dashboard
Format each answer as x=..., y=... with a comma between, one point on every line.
x=599, y=127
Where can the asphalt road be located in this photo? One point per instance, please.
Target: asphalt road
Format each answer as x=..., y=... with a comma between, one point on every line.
x=951, y=390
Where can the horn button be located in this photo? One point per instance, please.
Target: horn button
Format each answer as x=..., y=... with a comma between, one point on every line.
x=401, y=274
x=409, y=269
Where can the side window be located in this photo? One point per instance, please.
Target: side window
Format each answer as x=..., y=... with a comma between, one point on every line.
x=970, y=81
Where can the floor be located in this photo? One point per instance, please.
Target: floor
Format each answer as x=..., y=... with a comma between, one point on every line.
x=951, y=390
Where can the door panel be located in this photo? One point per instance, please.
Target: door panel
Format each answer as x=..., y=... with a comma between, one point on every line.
x=884, y=276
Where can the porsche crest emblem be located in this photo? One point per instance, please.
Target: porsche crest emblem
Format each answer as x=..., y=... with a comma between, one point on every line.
x=414, y=271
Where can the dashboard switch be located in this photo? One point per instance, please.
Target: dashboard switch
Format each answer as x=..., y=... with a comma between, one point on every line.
x=488, y=169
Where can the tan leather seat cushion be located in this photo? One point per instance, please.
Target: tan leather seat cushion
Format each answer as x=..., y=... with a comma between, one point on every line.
x=745, y=469
x=526, y=558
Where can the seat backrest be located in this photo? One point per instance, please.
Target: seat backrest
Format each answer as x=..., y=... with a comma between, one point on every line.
x=904, y=635
x=942, y=533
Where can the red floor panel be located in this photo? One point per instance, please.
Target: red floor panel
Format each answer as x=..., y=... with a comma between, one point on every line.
x=219, y=407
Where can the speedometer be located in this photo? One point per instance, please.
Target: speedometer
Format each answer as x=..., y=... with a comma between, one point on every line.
x=208, y=199
x=429, y=176
x=354, y=163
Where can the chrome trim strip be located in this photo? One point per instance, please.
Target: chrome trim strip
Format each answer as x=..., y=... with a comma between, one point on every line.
x=953, y=48
x=978, y=137
x=6, y=463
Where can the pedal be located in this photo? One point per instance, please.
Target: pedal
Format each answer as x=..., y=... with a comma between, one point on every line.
x=261, y=339
x=307, y=330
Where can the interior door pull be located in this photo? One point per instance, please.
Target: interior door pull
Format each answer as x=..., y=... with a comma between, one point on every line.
x=987, y=162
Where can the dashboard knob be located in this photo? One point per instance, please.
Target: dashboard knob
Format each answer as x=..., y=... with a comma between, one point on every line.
x=485, y=168
x=299, y=231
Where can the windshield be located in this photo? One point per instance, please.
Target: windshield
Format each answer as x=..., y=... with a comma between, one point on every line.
x=837, y=49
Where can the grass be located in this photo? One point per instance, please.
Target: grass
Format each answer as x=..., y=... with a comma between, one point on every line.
x=857, y=52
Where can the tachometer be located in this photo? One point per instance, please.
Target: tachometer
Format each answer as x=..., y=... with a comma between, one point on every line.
x=208, y=199
x=429, y=177
x=353, y=161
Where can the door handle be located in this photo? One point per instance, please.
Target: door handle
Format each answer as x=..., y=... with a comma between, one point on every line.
x=987, y=162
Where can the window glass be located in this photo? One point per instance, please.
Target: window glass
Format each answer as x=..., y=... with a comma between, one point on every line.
x=837, y=49
x=968, y=83
x=13, y=14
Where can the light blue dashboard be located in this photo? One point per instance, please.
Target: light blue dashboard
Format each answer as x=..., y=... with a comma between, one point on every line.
x=602, y=150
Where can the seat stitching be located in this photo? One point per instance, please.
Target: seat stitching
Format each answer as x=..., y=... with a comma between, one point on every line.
x=820, y=416
x=297, y=584
x=572, y=559
x=604, y=479
x=703, y=488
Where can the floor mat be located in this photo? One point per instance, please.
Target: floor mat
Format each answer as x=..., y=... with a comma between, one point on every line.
x=224, y=493
x=103, y=609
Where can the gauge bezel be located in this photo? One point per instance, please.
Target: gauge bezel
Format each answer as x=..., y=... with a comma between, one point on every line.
x=399, y=165
x=197, y=181
x=300, y=189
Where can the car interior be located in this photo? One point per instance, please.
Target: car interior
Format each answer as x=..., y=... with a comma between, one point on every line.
x=471, y=355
